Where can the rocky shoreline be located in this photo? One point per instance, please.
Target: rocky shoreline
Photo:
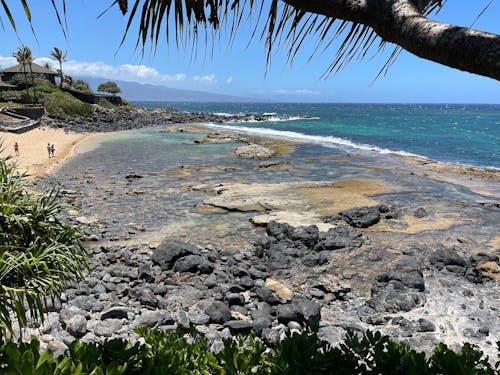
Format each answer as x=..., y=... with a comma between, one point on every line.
x=419, y=293
x=128, y=118
x=429, y=294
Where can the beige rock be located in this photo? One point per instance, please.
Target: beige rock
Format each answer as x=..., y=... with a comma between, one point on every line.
x=87, y=220
x=280, y=291
x=332, y=284
x=296, y=203
x=254, y=151
x=295, y=219
x=239, y=316
x=490, y=269
x=246, y=296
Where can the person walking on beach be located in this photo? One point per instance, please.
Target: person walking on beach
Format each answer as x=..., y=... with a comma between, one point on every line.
x=52, y=150
x=16, y=149
x=49, y=149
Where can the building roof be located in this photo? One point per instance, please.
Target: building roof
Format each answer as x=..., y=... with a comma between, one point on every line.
x=39, y=69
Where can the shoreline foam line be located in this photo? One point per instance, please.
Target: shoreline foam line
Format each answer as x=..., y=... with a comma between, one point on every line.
x=330, y=141
x=327, y=141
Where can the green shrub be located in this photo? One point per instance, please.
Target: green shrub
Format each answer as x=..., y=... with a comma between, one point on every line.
x=171, y=353
x=103, y=102
x=60, y=103
x=82, y=86
x=15, y=95
x=39, y=254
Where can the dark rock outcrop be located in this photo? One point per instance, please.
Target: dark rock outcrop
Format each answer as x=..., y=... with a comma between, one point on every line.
x=361, y=217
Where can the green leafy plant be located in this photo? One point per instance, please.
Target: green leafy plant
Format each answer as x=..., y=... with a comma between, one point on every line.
x=25, y=358
x=245, y=355
x=171, y=353
x=468, y=361
x=304, y=353
x=39, y=254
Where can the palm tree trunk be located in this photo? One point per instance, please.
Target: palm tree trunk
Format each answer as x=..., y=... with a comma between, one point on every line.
x=26, y=80
x=32, y=82
x=61, y=72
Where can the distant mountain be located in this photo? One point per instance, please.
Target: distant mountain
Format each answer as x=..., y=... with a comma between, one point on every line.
x=133, y=91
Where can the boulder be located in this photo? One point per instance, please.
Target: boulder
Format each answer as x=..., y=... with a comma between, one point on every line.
x=194, y=264
x=108, y=327
x=400, y=289
x=88, y=303
x=116, y=312
x=218, y=312
x=147, y=297
x=306, y=235
x=339, y=238
x=425, y=325
x=282, y=293
x=153, y=318
x=261, y=323
x=239, y=326
x=77, y=326
x=168, y=252
x=288, y=313
x=445, y=256
x=361, y=217
x=278, y=230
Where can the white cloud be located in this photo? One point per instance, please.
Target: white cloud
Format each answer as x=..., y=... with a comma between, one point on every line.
x=6, y=62
x=208, y=79
x=229, y=80
x=124, y=72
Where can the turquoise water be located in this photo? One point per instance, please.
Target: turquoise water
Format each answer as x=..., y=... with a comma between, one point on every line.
x=453, y=133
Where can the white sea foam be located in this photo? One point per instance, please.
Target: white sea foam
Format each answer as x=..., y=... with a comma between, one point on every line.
x=224, y=114
x=327, y=141
x=271, y=118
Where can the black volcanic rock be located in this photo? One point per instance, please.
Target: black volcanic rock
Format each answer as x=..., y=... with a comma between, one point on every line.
x=168, y=252
x=361, y=217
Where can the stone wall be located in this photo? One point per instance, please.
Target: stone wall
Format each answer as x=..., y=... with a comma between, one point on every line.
x=93, y=98
x=32, y=113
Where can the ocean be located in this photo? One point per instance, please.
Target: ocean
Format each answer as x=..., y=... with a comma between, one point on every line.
x=452, y=133
x=348, y=143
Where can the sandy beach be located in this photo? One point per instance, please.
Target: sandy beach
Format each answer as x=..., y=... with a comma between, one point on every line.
x=33, y=157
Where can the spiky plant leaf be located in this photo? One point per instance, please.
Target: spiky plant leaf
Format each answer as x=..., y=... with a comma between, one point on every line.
x=40, y=255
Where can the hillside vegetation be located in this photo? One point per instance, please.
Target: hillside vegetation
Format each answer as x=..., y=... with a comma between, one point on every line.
x=57, y=102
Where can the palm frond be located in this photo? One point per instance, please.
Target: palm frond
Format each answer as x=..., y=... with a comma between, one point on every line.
x=59, y=13
x=279, y=25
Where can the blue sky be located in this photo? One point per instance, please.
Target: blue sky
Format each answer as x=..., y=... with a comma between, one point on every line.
x=241, y=70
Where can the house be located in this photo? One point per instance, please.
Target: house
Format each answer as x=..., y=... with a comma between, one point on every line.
x=38, y=70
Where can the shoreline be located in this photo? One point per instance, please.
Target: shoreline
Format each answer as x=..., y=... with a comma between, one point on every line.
x=33, y=158
x=477, y=179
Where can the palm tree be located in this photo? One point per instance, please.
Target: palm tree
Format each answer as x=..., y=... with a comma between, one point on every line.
x=39, y=254
x=24, y=57
x=60, y=56
x=30, y=59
